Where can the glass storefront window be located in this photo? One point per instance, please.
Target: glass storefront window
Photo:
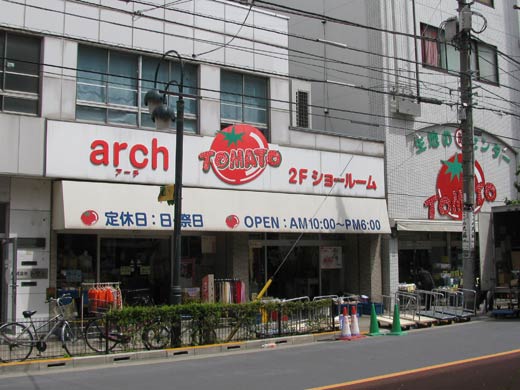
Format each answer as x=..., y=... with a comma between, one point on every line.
x=76, y=254
x=438, y=253
x=138, y=264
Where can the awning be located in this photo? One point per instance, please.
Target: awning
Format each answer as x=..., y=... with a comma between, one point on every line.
x=93, y=205
x=422, y=225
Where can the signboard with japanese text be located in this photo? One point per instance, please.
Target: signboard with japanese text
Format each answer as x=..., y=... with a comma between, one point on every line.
x=134, y=207
x=238, y=158
x=426, y=182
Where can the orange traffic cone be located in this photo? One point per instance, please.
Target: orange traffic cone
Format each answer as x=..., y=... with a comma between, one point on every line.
x=345, y=327
x=355, y=325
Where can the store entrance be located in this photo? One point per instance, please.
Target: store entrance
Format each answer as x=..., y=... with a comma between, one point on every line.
x=141, y=265
x=300, y=275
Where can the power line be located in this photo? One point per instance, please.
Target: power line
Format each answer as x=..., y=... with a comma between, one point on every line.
x=271, y=100
x=211, y=42
x=313, y=80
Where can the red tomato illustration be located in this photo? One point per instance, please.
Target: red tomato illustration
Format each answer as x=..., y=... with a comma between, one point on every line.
x=89, y=217
x=232, y=221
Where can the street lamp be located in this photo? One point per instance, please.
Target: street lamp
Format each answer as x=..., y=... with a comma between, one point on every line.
x=162, y=115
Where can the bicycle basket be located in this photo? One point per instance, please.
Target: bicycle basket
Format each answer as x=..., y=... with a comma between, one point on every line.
x=67, y=308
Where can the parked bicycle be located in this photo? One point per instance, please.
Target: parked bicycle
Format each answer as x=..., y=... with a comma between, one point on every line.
x=17, y=340
x=102, y=335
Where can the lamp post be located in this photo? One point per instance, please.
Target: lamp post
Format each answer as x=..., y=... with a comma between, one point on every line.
x=162, y=115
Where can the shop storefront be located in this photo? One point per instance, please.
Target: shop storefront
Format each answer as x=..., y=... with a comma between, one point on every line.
x=426, y=210
x=247, y=206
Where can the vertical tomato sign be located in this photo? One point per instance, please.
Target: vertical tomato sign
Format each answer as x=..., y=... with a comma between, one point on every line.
x=239, y=154
x=449, y=196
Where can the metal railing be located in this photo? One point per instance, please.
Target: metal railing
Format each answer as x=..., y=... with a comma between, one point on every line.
x=274, y=319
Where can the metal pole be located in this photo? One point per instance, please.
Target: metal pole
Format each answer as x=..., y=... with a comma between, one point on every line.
x=175, y=290
x=468, y=164
x=175, y=293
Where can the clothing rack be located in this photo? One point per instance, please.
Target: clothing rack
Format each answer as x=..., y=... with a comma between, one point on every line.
x=116, y=286
x=227, y=280
x=230, y=290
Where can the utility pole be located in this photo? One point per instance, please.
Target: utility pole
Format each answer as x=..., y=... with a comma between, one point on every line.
x=468, y=158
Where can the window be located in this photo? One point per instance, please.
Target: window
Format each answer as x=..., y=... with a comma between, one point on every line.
x=3, y=218
x=438, y=53
x=243, y=99
x=19, y=73
x=108, y=87
x=485, y=62
x=302, y=109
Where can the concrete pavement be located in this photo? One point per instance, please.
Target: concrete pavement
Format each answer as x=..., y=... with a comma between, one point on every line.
x=35, y=365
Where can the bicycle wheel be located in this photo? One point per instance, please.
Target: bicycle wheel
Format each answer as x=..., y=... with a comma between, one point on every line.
x=156, y=335
x=96, y=335
x=71, y=339
x=16, y=342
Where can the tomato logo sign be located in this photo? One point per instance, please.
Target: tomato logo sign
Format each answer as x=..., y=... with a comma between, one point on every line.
x=89, y=217
x=449, y=197
x=239, y=154
x=232, y=221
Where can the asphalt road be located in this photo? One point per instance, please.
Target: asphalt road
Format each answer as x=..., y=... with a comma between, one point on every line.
x=318, y=365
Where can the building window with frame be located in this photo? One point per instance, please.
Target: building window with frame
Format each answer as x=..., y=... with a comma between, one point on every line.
x=243, y=99
x=437, y=53
x=302, y=109
x=107, y=84
x=111, y=83
x=19, y=73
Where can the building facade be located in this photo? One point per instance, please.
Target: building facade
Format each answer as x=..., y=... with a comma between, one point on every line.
x=388, y=70
x=82, y=163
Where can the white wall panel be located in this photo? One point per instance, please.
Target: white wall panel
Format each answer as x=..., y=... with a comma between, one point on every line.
x=239, y=53
x=82, y=21
x=271, y=59
x=12, y=13
x=47, y=17
x=51, y=97
x=236, y=22
x=116, y=28
x=31, y=147
x=206, y=42
x=10, y=136
x=148, y=33
x=29, y=194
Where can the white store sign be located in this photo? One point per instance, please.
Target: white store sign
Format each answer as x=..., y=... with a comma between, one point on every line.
x=95, y=206
x=237, y=158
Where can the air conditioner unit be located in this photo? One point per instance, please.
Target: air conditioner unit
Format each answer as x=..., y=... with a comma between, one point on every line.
x=407, y=106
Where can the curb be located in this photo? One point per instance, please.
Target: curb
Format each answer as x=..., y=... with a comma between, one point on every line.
x=39, y=365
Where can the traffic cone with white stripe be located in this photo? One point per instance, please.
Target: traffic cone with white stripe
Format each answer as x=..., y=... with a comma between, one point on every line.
x=345, y=327
x=355, y=324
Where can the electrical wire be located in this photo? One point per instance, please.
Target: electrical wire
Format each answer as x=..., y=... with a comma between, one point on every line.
x=82, y=1
x=231, y=40
x=369, y=90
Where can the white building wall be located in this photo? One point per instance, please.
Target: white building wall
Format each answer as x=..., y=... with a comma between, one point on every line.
x=30, y=217
x=412, y=178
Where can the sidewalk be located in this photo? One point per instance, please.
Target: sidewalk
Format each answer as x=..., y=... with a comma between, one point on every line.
x=41, y=365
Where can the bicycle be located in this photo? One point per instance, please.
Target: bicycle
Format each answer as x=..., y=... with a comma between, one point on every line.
x=103, y=336
x=18, y=340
